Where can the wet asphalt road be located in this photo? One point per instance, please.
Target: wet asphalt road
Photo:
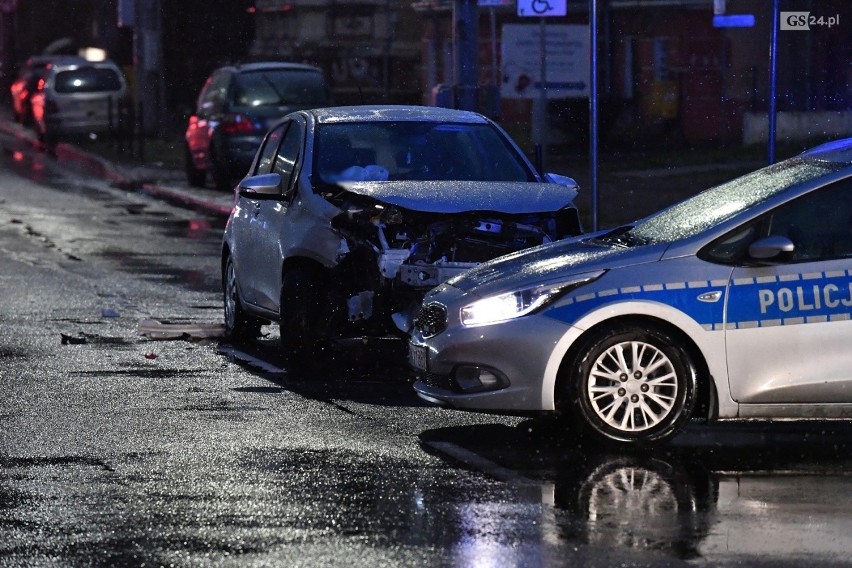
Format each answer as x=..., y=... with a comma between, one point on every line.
x=121, y=450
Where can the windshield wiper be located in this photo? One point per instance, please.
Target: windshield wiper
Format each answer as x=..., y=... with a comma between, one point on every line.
x=622, y=237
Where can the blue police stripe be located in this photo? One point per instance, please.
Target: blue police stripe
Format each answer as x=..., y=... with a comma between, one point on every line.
x=682, y=296
x=755, y=302
x=793, y=299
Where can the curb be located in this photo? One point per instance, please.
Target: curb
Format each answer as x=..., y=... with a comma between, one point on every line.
x=187, y=199
x=102, y=168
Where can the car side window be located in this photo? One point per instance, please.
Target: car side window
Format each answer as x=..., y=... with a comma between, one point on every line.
x=819, y=223
x=288, y=157
x=270, y=149
x=215, y=94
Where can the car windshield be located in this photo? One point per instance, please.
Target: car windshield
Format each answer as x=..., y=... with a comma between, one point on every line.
x=718, y=204
x=280, y=87
x=421, y=151
x=87, y=80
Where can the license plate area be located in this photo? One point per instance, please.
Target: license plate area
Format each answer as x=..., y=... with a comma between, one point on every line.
x=417, y=357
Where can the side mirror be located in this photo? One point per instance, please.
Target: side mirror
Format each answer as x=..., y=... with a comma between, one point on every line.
x=264, y=185
x=770, y=247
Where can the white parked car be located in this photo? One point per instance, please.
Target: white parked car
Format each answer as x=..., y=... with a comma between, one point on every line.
x=79, y=99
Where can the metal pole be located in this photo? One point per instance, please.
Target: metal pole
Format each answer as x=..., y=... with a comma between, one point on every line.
x=466, y=46
x=148, y=63
x=541, y=115
x=773, y=79
x=593, y=110
x=495, y=79
x=389, y=28
x=7, y=50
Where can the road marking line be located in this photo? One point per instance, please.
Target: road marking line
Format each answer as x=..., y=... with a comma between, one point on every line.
x=250, y=359
x=536, y=491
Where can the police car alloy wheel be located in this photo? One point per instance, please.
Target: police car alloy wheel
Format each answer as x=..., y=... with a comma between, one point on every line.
x=634, y=385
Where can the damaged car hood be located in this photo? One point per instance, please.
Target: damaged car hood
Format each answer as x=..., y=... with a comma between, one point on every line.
x=463, y=196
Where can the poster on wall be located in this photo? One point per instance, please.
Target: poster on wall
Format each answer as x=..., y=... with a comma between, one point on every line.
x=566, y=58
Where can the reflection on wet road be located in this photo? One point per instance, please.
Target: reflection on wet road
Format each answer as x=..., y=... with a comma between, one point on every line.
x=720, y=494
x=766, y=494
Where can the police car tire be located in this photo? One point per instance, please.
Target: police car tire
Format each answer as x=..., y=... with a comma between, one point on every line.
x=658, y=409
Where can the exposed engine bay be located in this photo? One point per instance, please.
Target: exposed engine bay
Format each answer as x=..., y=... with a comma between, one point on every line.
x=401, y=254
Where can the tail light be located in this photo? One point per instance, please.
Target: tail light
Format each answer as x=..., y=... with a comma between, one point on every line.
x=238, y=124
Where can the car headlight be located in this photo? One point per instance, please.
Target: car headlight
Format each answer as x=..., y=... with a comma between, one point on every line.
x=517, y=303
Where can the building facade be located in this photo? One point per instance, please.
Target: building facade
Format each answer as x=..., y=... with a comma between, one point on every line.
x=368, y=48
x=670, y=73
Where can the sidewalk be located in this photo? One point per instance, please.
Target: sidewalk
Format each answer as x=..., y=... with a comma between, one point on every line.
x=161, y=183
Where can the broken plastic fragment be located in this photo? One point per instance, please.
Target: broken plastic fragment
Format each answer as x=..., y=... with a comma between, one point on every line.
x=72, y=339
x=360, y=306
x=110, y=313
x=160, y=330
x=151, y=355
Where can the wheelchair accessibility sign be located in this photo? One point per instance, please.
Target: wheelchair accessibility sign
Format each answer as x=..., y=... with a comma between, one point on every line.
x=542, y=8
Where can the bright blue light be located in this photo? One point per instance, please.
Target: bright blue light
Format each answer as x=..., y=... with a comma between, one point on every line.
x=734, y=21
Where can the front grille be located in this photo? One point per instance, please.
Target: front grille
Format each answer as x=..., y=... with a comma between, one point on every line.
x=436, y=381
x=431, y=319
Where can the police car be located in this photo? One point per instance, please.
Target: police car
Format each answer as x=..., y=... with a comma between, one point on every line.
x=732, y=304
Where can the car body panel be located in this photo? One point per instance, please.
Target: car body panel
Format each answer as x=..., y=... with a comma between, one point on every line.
x=281, y=231
x=771, y=334
x=805, y=308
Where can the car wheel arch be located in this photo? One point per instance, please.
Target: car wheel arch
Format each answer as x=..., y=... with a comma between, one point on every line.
x=226, y=254
x=706, y=404
x=305, y=263
x=302, y=335
x=240, y=323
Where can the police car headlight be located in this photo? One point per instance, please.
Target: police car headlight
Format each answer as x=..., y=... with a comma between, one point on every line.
x=511, y=305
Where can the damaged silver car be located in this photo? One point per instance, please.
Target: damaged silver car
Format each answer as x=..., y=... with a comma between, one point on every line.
x=350, y=214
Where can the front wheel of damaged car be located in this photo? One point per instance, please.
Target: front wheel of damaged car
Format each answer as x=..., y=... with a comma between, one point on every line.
x=633, y=386
x=302, y=294
x=239, y=326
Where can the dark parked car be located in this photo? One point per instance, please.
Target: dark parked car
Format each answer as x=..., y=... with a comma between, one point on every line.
x=351, y=214
x=235, y=109
x=25, y=85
